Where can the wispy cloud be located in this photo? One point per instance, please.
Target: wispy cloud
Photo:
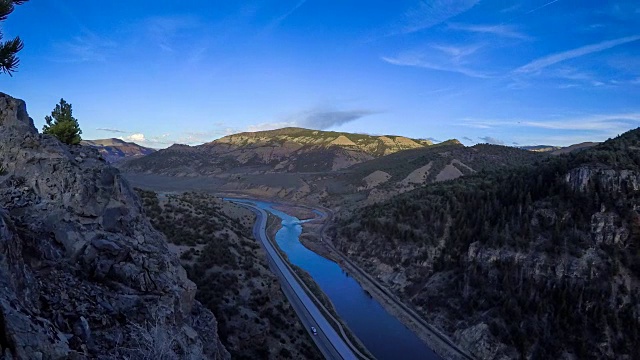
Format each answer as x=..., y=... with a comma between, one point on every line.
x=324, y=118
x=511, y=8
x=570, y=73
x=457, y=53
x=447, y=57
x=185, y=137
x=542, y=6
x=465, y=138
x=418, y=60
x=438, y=91
x=270, y=126
x=165, y=30
x=284, y=16
x=116, y=131
x=199, y=137
x=320, y=118
x=570, y=77
x=606, y=124
x=498, y=30
x=428, y=13
x=549, y=60
x=491, y=140
x=86, y=47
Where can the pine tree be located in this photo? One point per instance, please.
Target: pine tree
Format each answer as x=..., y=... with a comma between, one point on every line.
x=9, y=49
x=63, y=125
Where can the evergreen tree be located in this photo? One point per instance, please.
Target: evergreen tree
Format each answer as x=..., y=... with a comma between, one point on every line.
x=63, y=125
x=9, y=49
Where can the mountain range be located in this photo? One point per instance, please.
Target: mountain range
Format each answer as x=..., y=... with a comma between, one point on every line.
x=332, y=168
x=282, y=150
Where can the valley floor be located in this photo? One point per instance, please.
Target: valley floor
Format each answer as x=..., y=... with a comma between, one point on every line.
x=314, y=239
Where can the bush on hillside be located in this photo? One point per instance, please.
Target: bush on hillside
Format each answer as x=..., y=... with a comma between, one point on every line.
x=63, y=125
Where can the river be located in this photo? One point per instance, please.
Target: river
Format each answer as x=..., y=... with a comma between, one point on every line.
x=383, y=335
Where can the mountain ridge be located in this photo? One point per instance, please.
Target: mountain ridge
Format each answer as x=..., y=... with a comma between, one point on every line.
x=281, y=150
x=114, y=150
x=303, y=136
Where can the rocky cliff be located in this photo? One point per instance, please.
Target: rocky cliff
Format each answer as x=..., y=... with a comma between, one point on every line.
x=83, y=273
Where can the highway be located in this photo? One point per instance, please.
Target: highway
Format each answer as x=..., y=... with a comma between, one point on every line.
x=330, y=343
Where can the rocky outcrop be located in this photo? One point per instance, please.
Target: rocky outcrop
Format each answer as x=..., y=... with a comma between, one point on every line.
x=480, y=342
x=83, y=273
x=585, y=178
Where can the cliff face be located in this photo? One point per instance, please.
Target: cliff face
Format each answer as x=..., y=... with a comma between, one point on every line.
x=83, y=272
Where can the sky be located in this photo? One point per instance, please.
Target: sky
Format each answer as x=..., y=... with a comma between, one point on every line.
x=164, y=71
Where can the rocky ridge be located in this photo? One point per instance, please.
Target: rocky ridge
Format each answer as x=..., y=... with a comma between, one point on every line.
x=114, y=150
x=84, y=274
x=373, y=145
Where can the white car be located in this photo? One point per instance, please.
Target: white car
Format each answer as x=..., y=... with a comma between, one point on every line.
x=314, y=331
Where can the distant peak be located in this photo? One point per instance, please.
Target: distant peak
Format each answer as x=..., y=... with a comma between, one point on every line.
x=451, y=142
x=105, y=142
x=179, y=146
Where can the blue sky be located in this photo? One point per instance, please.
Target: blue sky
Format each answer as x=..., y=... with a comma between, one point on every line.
x=507, y=72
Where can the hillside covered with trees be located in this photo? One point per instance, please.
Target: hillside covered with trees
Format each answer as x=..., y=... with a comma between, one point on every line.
x=539, y=261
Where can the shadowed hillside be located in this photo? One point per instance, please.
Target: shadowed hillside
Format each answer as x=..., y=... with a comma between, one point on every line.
x=383, y=178
x=537, y=261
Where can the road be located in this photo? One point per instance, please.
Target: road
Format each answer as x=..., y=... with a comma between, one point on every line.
x=328, y=340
